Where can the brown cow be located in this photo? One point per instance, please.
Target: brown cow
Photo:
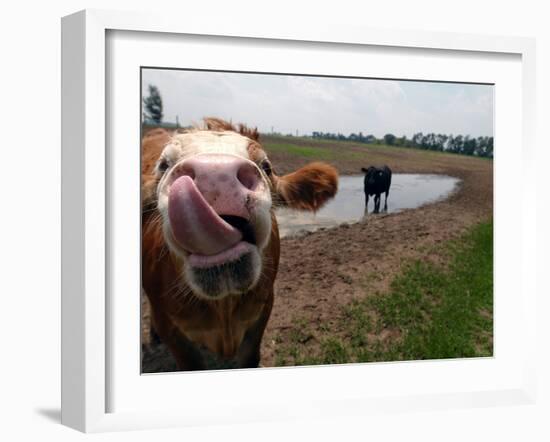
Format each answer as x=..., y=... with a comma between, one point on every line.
x=210, y=241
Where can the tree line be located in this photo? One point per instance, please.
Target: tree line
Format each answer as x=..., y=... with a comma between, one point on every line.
x=460, y=144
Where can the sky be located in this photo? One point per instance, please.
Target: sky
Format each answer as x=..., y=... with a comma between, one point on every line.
x=287, y=104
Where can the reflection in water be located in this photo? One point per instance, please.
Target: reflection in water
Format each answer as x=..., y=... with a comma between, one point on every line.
x=408, y=191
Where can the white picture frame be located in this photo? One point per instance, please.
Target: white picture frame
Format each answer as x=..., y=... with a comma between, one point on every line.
x=86, y=315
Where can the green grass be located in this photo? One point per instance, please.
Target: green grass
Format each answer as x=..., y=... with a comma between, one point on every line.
x=432, y=311
x=445, y=313
x=314, y=153
x=303, y=151
x=322, y=149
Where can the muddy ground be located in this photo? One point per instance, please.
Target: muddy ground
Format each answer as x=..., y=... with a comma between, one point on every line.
x=339, y=263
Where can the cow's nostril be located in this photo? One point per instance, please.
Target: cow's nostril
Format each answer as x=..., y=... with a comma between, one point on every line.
x=185, y=170
x=248, y=176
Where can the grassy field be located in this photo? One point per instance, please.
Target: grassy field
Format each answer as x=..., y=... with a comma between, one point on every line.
x=411, y=285
x=302, y=151
x=432, y=311
x=349, y=156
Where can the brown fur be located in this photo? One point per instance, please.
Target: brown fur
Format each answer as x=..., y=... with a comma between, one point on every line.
x=232, y=327
x=309, y=187
x=217, y=124
x=218, y=325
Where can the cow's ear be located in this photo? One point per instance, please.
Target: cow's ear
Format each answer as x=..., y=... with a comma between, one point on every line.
x=309, y=188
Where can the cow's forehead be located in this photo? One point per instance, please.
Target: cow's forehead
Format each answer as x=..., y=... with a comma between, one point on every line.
x=200, y=142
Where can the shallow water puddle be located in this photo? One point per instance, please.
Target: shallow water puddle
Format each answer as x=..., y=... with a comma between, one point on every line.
x=408, y=191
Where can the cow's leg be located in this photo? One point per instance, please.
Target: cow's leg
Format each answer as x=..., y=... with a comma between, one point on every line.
x=186, y=354
x=154, y=336
x=386, y=202
x=249, y=351
x=377, y=203
x=366, y=201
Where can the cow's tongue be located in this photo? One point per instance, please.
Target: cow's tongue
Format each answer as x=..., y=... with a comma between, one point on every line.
x=195, y=225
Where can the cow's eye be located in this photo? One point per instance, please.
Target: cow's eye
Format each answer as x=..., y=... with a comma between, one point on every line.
x=163, y=165
x=266, y=167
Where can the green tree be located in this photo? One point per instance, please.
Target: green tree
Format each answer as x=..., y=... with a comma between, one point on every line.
x=389, y=139
x=153, y=105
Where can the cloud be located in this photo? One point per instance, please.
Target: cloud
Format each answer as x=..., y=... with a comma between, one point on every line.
x=306, y=104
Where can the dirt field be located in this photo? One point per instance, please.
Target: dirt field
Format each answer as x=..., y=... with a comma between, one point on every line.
x=323, y=271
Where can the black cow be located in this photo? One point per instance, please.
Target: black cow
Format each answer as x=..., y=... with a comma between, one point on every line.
x=377, y=180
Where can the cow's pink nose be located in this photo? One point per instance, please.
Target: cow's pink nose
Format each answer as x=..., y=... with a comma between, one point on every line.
x=225, y=181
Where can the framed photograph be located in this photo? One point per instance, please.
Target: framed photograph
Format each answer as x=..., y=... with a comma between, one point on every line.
x=278, y=223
